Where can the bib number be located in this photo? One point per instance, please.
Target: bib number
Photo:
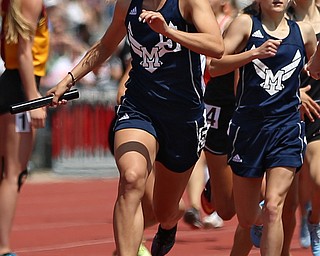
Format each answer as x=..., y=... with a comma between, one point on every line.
x=213, y=113
x=23, y=122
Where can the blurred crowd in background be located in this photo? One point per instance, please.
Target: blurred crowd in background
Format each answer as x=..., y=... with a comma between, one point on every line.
x=75, y=25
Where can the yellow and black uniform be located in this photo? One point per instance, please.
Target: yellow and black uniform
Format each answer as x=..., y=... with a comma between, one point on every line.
x=11, y=89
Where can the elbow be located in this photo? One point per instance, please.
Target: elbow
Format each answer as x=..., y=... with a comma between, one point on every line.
x=218, y=51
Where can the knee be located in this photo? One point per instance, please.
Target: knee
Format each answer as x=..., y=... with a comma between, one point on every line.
x=316, y=179
x=10, y=175
x=132, y=180
x=225, y=207
x=15, y=180
x=272, y=212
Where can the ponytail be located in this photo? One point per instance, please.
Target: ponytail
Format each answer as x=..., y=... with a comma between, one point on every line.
x=16, y=24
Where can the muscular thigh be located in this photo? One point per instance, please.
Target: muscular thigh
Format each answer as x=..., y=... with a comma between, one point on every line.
x=279, y=180
x=135, y=148
x=246, y=197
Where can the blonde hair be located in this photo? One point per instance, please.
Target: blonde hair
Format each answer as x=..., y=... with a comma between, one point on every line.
x=16, y=24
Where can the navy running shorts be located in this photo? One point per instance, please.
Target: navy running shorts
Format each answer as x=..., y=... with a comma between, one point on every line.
x=11, y=89
x=313, y=130
x=218, y=118
x=180, y=140
x=258, y=146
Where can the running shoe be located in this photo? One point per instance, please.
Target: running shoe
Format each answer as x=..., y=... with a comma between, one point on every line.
x=256, y=231
x=143, y=251
x=163, y=241
x=314, y=230
x=305, y=240
x=212, y=221
x=256, y=234
x=206, y=203
x=192, y=217
x=9, y=254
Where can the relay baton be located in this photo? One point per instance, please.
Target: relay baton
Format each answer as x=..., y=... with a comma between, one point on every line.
x=42, y=102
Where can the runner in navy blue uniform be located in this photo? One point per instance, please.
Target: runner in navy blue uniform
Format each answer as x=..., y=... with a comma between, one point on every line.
x=266, y=133
x=307, y=11
x=161, y=119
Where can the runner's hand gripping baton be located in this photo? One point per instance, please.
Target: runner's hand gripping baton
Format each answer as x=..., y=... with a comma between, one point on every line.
x=42, y=102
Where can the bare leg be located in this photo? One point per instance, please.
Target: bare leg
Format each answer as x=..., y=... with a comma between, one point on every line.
x=221, y=185
x=313, y=156
x=192, y=215
x=289, y=216
x=15, y=151
x=247, y=194
x=242, y=244
x=196, y=183
x=134, y=160
x=168, y=190
x=278, y=180
x=149, y=217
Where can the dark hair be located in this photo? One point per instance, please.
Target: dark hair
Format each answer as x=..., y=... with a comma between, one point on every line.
x=291, y=11
x=252, y=9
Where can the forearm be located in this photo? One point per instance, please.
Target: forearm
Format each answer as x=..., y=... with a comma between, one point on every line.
x=91, y=60
x=229, y=63
x=26, y=71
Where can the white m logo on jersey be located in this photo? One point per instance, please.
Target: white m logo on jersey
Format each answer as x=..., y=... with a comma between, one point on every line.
x=151, y=60
x=273, y=82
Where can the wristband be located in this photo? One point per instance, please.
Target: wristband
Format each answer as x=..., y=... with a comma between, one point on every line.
x=73, y=82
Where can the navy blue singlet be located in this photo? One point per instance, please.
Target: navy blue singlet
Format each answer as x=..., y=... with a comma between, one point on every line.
x=159, y=64
x=270, y=87
x=266, y=130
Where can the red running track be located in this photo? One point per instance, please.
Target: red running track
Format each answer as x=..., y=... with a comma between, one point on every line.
x=73, y=217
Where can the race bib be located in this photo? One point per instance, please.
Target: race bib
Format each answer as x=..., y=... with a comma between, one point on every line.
x=23, y=122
